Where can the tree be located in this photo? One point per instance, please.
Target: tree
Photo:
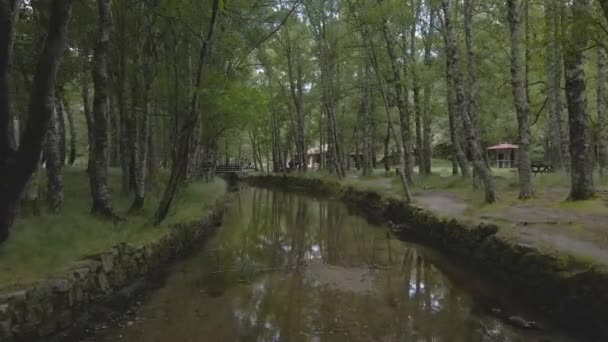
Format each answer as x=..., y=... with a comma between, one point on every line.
x=426, y=100
x=17, y=166
x=319, y=14
x=520, y=98
x=582, y=173
x=185, y=132
x=53, y=161
x=98, y=173
x=472, y=140
x=602, y=110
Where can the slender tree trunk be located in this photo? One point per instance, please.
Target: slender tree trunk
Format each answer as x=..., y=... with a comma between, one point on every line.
x=329, y=75
x=459, y=158
x=471, y=135
x=602, y=110
x=30, y=199
x=61, y=131
x=574, y=60
x=418, y=106
x=426, y=100
x=387, y=152
x=520, y=98
x=296, y=90
x=88, y=113
x=16, y=167
x=99, y=172
x=184, y=134
x=402, y=105
x=561, y=33
x=52, y=157
x=9, y=10
x=125, y=137
x=142, y=162
x=153, y=158
x=553, y=65
x=71, y=128
x=144, y=137
x=472, y=86
x=367, y=124
x=383, y=94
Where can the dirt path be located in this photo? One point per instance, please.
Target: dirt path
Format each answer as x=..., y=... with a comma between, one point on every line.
x=538, y=224
x=443, y=202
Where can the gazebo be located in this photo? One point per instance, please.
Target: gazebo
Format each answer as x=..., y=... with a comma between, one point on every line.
x=505, y=155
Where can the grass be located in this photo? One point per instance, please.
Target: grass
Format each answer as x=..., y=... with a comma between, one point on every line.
x=551, y=189
x=42, y=245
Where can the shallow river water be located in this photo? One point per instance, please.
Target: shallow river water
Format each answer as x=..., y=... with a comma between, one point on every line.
x=287, y=267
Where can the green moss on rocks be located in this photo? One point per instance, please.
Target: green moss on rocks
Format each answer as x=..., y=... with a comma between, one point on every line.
x=33, y=312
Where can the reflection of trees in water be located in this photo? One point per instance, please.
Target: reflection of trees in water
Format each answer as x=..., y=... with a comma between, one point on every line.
x=281, y=229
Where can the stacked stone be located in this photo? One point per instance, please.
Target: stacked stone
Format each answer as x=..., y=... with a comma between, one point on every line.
x=52, y=305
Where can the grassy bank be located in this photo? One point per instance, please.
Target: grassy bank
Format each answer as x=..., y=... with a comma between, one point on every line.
x=549, y=221
x=42, y=245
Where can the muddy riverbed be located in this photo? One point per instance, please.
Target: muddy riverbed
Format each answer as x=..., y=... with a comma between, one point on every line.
x=287, y=267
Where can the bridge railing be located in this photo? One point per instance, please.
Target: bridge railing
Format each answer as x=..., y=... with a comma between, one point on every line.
x=233, y=169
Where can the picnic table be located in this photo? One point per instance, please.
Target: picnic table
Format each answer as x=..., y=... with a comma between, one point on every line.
x=541, y=167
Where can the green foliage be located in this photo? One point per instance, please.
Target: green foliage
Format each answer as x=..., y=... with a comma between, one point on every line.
x=42, y=245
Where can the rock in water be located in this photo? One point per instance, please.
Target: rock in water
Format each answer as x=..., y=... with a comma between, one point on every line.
x=522, y=323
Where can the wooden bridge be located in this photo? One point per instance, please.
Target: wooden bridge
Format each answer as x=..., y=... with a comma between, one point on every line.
x=229, y=168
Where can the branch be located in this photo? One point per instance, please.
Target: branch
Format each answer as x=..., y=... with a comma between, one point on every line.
x=540, y=111
x=269, y=35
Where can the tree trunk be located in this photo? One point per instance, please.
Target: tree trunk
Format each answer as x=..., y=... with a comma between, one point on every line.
x=520, y=98
x=406, y=187
x=471, y=135
x=52, y=157
x=153, y=153
x=327, y=55
x=459, y=158
x=88, y=113
x=561, y=32
x=554, y=70
x=602, y=110
x=16, y=167
x=30, y=198
x=145, y=56
x=403, y=120
x=582, y=173
x=296, y=91
x=125, y=137
x=472, y=86
x=402, y=105
x=426, y=101
x=132, y=131
x=9, y=10
x=367, y=124
x=142, y=162
x=184, y=133
x=60, y=129
x=418, y=110
x=99, y=172
x=71, y=128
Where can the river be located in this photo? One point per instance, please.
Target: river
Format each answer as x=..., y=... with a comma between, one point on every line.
x=288, y=267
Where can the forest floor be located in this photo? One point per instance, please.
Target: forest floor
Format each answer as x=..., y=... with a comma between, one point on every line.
x=549, y=221
x=41, y=245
